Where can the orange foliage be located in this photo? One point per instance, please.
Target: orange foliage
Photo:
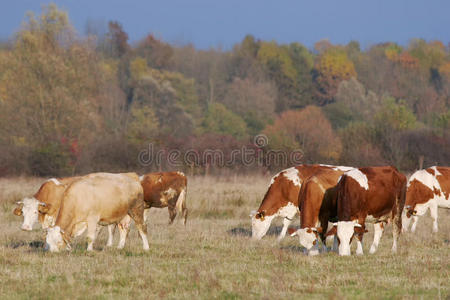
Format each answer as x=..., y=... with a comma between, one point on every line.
x=310, y=130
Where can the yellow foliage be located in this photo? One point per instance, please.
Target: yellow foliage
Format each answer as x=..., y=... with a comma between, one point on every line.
x=138, y=68
x=335, y=64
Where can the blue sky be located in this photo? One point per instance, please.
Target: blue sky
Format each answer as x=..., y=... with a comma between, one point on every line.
x=209, y=23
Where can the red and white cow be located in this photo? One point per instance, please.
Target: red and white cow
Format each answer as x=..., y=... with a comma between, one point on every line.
x=317, y=203
x=377, y=193
x=281, y=198
x=166, y=189
x=426, y=189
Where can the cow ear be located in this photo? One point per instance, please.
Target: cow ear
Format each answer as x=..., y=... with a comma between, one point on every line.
x=17, y=211
x=292, y=231
x=332, y=231
x=43, y=208
x=319, y=229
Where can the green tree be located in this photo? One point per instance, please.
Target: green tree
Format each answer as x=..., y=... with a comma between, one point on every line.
x=220, y=120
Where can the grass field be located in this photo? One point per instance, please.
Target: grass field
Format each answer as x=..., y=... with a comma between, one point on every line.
x=213, y=257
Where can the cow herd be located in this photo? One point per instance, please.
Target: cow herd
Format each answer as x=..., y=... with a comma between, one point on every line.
x=67, y=207
x=347, y=198
x=332, y=201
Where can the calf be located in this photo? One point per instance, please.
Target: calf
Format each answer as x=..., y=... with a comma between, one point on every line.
x=429, y=188
x=281, y=198
x=317, y=203
x=376, y=192
x=166, y=189
x=100, y=198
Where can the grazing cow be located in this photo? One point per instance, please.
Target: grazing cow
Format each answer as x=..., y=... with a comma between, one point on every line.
x=49, y=196
x=100, y=198
x=317, y=203
x=43, y=207
x=428, y=188
x=166, y=189
x=281, y=198
x=375, y=192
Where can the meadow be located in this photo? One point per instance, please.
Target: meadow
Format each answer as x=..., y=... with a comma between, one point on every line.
x=214, y=258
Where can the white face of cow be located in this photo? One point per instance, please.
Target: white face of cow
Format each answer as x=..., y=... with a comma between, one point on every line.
x=30, y=212
x=260, y=225
x=54, y=239
x=307, y=237
x=345, y=231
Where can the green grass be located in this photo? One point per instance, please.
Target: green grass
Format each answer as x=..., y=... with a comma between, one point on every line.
x=213, y=257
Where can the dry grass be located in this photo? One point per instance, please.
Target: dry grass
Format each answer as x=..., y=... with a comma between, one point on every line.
x=213, y=257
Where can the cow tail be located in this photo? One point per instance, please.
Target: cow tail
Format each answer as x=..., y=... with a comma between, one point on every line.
x=181, y=204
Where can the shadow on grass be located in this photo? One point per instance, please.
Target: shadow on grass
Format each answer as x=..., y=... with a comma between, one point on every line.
x=33, y=244
x=241, y=231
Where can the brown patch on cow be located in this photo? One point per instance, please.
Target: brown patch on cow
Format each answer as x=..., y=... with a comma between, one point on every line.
x=332, y=231
x=431, y=171
x=317, y=198
x=417, y=193
x=18, y=210
x=291, y=230
x=283, y=191
x=43, y=209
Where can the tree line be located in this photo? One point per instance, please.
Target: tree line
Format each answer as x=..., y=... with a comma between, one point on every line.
x=72, y=103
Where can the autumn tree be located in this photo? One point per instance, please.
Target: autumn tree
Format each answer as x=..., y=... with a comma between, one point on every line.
x=52, y=92
x=307, y=129
x=331, y=67
x=116, y=39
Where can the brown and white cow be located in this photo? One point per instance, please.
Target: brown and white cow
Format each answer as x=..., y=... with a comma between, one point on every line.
x=377, y=193
x=43, y=207
x=100, y=198
x=281, y=198
x=49, y=197
x=426, y=189
x=317, y=203
x=166, y=189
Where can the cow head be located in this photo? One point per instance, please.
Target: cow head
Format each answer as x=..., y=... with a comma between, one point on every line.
x=28, y=207
x=56, y=240
x=260, y=224
x=407, y=213
x=308, y=238
x=345, y=231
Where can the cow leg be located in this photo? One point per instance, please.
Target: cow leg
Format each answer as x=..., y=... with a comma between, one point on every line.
x=359, y=245
x=91, y=234
x=124, y=229
x=378, y=232
x=335, y=247
x=434, y=216
x=172, y=213
x=286, y=222
x=414, y=224
x=111, y=229
x=137, y=214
